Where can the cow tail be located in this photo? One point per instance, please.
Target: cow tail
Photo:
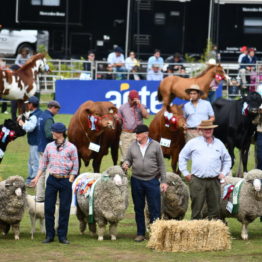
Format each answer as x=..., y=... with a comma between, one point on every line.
x=159, y=96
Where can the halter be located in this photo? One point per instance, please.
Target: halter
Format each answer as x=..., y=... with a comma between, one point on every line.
x=219, y=77
x=171, y=119
x=6, y=135
x=92, y=121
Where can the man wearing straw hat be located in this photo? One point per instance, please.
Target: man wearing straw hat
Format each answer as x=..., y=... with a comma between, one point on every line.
x=211, y=162
x=195, y=111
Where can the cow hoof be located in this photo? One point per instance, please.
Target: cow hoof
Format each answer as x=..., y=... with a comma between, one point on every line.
x=113, y=237
x=16, y=237
x=100, y=238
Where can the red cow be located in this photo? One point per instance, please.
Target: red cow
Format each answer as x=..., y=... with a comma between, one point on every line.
x=92, y=126
x=169, y=126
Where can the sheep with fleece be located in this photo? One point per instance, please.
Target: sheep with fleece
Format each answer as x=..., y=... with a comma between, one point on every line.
x=109, y=200
x=249, y=201
x=12, y=204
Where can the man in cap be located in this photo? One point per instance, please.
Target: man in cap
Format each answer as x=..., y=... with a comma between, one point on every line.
x=116, y=61
x=155, y=73
x=131, y=114
x=195, y=111
x=45, y=121
x=30, y=126
x=60, y=156
x=146, y=159
x=211, y=162
x=155, y=59
x=243, y=52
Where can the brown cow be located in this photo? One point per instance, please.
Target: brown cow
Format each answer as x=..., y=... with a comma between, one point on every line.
x=169, y=126
x=95, y=122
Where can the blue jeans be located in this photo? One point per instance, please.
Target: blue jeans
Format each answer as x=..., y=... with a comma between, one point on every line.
x=33, y=163
x=212, y=96
x=259, y=150
x=149, y=190
x=64, y=187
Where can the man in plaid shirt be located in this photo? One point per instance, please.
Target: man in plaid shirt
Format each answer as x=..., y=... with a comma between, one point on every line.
x=61, y=158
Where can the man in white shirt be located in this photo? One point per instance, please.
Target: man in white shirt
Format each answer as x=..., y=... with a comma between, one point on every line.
x=116, y=60
x=211, y=162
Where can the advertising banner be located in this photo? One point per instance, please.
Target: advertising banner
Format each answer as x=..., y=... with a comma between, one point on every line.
x=72, y=93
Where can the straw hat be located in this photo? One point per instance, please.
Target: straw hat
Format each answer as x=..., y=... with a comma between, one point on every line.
x=206, y=124
x=194, y=87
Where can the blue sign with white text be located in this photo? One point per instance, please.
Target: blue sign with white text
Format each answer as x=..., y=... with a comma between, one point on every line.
x=72, y=93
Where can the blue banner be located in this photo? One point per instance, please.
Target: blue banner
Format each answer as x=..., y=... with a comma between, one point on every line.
x=72, y=93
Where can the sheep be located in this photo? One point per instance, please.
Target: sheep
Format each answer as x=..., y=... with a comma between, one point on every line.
x=110, y=202
x=174, y=202
x=36, y=211
x=250, y=200
x=12, y=204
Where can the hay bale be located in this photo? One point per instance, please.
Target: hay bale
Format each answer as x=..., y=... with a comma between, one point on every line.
x=189, y=236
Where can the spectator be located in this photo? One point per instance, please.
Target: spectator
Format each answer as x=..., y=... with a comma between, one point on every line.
x=61, y=158
x=116, y=60
x=155, y=73
x=30, y=126
x=131, y=114
x=132, y=66
x=156, y=59
x=147, y=161
x=244, y=52
x=211, y=162
x=89, y=67
x=175, y=64
x=45, y=121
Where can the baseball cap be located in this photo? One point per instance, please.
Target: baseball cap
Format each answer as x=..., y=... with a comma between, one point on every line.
x=58, y=127
x=33, y=99
x=133, y=94
x=53, y=103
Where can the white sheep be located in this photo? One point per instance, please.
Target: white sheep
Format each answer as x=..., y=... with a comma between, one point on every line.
x=110, y=201
x=12, y=203
x=250, y=199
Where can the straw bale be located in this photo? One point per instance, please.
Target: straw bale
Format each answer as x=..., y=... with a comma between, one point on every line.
x=189, y=236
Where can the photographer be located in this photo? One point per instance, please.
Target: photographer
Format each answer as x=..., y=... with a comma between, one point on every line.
x=131, y=115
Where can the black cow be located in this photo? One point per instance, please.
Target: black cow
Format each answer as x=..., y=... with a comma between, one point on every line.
x=9, y=131
x=234, y=118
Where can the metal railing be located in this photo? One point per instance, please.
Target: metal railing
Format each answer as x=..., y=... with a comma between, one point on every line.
x=81, y=69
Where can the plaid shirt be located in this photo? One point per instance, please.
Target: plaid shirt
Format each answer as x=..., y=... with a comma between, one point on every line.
x=61, y=162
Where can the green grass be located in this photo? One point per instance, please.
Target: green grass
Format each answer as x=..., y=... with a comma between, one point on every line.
x=86, y=248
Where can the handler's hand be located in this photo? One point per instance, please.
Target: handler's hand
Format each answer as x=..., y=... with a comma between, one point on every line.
x=188, y=178
x=71, y=178
x=34, y=181
x=163, y=187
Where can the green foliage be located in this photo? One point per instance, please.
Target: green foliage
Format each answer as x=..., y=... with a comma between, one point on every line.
x=206, y=55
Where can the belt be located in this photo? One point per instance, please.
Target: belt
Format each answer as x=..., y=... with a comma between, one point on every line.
x=59, y=176
x=206, y=178
x=128, y=131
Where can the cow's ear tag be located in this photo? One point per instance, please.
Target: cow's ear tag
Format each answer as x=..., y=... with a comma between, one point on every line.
x=165, y=142
x=94, y=147
x=111, y=111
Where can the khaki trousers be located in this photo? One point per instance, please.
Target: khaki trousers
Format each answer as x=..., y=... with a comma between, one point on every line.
x=191, y=133
x=125, y=141
x=205, y=190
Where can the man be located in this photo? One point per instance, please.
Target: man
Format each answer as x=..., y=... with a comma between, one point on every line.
x=30, y=126
x=147, y=161
x=45, y=121
x=155, y=59
x=116, y=61
x=61, y=158
x=211, y=162
x=131, y=114
x=195, y=111
x=155, y=73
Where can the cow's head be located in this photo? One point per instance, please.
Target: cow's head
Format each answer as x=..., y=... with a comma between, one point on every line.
x=252, y=103
x=97, y=122
x=174, y=119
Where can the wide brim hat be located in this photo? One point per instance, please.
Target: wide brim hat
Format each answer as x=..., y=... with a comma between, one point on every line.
x=207, y=124
x=194, y=88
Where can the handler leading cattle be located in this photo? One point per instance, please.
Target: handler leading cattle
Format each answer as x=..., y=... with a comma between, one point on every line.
x=211, y=162
x=195, y=111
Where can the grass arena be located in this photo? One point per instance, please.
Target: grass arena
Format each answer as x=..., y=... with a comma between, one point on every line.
x=87, y=248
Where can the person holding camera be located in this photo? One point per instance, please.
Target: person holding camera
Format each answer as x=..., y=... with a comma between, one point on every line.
x=131, y=114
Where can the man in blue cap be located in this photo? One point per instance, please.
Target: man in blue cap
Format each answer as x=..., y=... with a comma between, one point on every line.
x=30, y=126
x=62, y=160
